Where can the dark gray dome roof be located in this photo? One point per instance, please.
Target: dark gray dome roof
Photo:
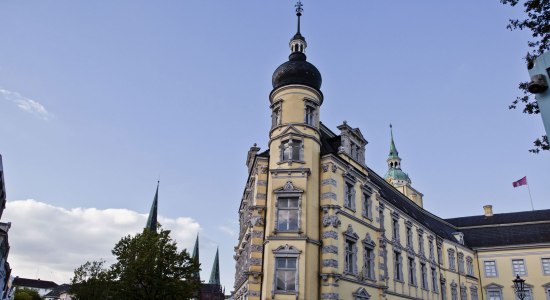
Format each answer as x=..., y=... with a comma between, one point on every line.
x=297, y=71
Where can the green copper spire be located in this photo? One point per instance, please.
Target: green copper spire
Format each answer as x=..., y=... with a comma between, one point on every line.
x=152, y=220
x=393, y=150
x=195, y=256
x=215, y=275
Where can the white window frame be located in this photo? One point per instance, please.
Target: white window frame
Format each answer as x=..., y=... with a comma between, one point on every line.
x=310, y=119
x=461, y=268
x=288, y=190
x=286, y=251
x=276, y=114
x=493, y=288
x=494, y=267
x=470, y=266
x=424, y=276
x=522, y=265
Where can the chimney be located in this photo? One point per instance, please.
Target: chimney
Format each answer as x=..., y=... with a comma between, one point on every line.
x=251, y=155
x=488, y=210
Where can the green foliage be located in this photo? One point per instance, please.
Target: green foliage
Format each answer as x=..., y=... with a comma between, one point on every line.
x=148, y=266
x=538, y=22
x=26, y=294
x=91, y=281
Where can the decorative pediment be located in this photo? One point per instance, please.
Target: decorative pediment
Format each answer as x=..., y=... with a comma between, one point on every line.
x=287, y=249
x=291, y=130
x=289, y=188
x=368, y=240
x=493, y=285
x=350, y=233
x=361, y=293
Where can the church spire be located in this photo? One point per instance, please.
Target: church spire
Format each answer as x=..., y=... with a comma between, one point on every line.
x=152, y=220
x=393, y=150
x=195, y=256
x=215, y=274
x=395, y=175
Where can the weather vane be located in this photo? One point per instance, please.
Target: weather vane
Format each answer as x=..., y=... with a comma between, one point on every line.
x=299, y=8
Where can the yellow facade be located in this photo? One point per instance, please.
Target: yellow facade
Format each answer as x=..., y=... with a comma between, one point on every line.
x=317, y=223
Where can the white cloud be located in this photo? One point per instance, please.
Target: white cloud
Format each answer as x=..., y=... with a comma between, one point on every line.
x=26, y=104
x=49, y=242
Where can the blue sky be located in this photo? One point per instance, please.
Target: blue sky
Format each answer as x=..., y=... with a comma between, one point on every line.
x=100, y=98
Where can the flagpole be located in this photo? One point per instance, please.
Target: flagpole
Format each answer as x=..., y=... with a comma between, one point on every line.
x=532, y=207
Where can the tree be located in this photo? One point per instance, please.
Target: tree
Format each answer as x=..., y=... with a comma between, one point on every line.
x=91, y=281
x=26, y=294
x=148, y=266
x=538, y=22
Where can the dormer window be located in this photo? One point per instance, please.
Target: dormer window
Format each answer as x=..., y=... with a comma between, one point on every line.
x=352, y=143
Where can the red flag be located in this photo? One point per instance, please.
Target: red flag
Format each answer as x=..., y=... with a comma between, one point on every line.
x=520, y=182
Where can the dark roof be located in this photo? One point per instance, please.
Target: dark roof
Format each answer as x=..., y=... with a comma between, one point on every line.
x=329, y=145
x=507, y=229
x=297, y=71
x=34, y=283
x=506, y=218
x=264, y=154
x=507, y=235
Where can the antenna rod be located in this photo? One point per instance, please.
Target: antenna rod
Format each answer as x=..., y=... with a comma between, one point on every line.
x=299, y=11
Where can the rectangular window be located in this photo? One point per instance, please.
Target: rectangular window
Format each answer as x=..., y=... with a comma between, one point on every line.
x=424, y=272
x=494, y=295
x=461, y=263
x=349, y=195
x=463, y=293
x=412, y=271
x=276, y=116
x=518, y=267
x=546, y=266
x=367, y=206
x=409, y=237
x=309, y=115
x=395, y=229
x=443, y=291
x=473, y=293
x=439, y=254
x=452, y=263
x=291, y=150
x=287, y=214
x=469, y=266
x=369, y=263
x=285, y=274
x=350, y=257
x=434, y=280
x=490, y=267
x=397, y=266
x=454, y=293
x=431, y=246
x=421, y=244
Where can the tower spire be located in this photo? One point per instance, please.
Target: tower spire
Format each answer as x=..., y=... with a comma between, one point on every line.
x=393, y=149
x=195, y=256
x=215, y=274
x=152, y=219
x=298, y=42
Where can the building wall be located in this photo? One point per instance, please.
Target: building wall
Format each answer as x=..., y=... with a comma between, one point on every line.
x=532, y=257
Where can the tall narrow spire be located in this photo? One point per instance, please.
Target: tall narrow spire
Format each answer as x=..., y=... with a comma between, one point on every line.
x=393, y=150
x=215, y=274
x=298, y=42
x=152, y=220
x=195, y=257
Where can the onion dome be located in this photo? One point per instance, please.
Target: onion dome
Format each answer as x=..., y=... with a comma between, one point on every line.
x=297, y=70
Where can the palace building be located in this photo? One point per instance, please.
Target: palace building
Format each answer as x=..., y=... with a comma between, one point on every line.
x=317, y=223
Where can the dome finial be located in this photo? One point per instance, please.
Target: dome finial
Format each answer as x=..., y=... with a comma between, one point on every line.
x=299, y=11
